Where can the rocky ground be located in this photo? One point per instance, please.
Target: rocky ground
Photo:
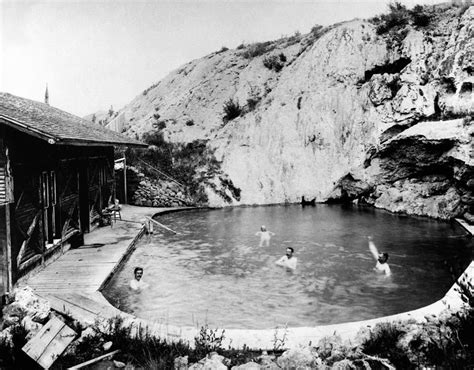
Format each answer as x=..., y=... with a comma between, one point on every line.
x=445, y=341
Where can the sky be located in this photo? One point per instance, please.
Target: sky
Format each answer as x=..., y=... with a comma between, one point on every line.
x=94, y=54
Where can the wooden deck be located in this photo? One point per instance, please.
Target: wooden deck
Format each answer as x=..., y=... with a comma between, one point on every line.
x=72, y=282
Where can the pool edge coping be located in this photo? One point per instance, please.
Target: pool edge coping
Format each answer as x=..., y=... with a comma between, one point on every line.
x=264, y=339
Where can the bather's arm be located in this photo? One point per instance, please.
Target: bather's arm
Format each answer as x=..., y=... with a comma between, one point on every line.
x=373, y=248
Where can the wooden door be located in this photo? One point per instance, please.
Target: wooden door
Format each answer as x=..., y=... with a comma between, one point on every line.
x=49, y=204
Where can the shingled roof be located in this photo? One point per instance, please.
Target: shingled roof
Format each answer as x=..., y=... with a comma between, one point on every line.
x=56, y=126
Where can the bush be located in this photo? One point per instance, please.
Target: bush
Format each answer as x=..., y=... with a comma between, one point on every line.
x=232, y=110
x=190, y=164
x=397, y=17
x=258, y=49
x=419, y=16
x=142, y=349
x=275, y=62
x=316, y=29
x=383, y=341
x=252, y=103
x=223, y=49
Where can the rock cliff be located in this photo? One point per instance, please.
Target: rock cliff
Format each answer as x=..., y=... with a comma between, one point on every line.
x=343, y=113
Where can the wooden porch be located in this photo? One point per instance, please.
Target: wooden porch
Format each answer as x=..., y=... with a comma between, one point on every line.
x=78, y=275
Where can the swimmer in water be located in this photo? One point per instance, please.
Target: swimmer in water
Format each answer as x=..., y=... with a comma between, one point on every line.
x=381, y=258
x=137, y=283
x=288, y=260
x=265, y=236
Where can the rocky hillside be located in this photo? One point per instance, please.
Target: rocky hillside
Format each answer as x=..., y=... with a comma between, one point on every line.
x=364, y=110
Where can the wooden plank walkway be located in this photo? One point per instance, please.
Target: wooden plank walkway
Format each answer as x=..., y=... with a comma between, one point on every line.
x=83, y=270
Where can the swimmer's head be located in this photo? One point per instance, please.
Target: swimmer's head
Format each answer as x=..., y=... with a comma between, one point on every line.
x=289, y=252
x=383, y=257
x=263, y=228
x=138, y=272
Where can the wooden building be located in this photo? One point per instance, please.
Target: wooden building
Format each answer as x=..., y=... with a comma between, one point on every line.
x=56, y=177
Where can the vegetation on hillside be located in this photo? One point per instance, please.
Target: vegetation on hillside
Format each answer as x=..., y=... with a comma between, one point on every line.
x=399, y=16
x=192, y=164
x=232, y=110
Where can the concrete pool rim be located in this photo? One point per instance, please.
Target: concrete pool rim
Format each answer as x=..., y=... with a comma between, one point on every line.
x=293, y=336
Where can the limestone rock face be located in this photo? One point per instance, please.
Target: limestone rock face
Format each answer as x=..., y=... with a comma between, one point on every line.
x=350, y=115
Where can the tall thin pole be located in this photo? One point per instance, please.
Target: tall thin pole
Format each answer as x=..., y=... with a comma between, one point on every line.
x=125, y=179
x=9, y=249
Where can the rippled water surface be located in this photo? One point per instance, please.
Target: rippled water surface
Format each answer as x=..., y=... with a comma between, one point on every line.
x=214, y=271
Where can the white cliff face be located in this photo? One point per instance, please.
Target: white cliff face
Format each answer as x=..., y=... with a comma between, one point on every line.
x=334, y=112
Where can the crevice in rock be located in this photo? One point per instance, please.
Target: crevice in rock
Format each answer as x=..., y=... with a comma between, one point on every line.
x=394, y=131
x=466, y=90
x=390, y=68
x=348, y=188
x=448, y=85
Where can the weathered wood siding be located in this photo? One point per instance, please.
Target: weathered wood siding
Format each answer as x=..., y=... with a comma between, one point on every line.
x=3, y=248
x=47, y=195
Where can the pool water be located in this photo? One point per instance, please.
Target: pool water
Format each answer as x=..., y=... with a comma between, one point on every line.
x=214, y=271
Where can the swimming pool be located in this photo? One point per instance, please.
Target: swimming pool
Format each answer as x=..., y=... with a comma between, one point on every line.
x=214, y=271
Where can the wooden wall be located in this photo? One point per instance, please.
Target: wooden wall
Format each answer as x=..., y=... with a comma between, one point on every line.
x=43, y=213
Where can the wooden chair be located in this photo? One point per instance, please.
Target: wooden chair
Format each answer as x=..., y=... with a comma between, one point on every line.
x=115, y=210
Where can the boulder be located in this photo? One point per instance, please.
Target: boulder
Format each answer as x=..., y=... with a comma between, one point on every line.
x=299, y=358
x=36, y=308
x=213, y=361
x=248, y=366
x=469, y=218
x=470, y=184
x=181, y=363
x=13, y=314
x=345, y=365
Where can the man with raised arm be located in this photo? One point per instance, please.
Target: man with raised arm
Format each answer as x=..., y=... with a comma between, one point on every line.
x=381, y=258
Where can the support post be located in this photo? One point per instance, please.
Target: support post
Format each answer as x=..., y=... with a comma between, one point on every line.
x=125, y=200
x=9, y=249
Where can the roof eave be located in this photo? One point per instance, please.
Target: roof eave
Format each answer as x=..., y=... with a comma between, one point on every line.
x=56, y=140
x=27, y=130
x=98, y=143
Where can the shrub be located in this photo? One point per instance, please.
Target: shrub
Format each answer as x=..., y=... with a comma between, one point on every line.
x=11, y=355
x=232, y=110
x=223, y=49
x=209, y=340
x=160, y=125
x=190, y=164
x=275, y=62
x=252, y=103
x=316, y=29
x=447, y=342
x=241, y=46
x=419, y=16
x=189, y=122
x=258, y=49
x=383, y=341
x=397, y=17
